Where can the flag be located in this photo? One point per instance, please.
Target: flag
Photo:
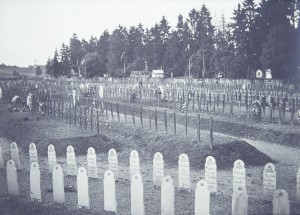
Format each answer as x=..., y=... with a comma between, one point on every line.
x=122, y=55
x=187, y=48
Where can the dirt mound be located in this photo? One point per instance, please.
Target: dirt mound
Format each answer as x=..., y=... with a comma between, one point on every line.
x=225, y=154
x=100, y=143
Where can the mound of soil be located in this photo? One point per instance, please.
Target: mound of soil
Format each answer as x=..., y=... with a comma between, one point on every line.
x=100, y=143
x=225, y=154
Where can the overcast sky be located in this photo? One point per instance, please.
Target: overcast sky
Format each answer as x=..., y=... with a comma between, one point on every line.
x=33, y=29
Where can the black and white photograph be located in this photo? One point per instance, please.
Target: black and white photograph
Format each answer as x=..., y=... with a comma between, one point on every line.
x=150, y=107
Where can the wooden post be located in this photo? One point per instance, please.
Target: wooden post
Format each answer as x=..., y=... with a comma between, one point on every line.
x=98, y=122
x=149, y=118
x=75, y=114
x=198, y=128
x=133, y=119
x=70, y=107
x=211, y=130
x=141, y=116
x=166, y=123
x=155, y=119
x=80, y=117
x=118, y=112
x=111, y=111
x=193, y=99
x=125, y=112
x=186, y=123
x=174, y=122
x=62, y=108
x=85, y=119
x=54, y=108
x=106, y=111
x=92, y=118
x=293, y=111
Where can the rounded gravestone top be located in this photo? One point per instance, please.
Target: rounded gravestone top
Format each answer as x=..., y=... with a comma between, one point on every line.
x=112, y=152
x=239, y=164
x=281, y=194
x=136, y=177
x=32, y=146
x=57, y=167
x=269, y=168
x=109, y=173
x=81, y=170
x=34, y=165
x=158, y=156
x=13, y=145
x=10, y=163
x=168, y=179
x=70, y=149
x=183, y=158
x=202, y=184
x=91, y=151
x=210, y=160
x=51, y=148
x=134, y=154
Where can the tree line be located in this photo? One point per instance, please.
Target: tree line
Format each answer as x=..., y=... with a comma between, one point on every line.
x=259, y=36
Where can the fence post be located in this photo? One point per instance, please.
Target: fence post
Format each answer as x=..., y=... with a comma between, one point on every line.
x=97, y=122
x=174, y=122
x=70, y=107
x=85, y=120
x=80, y=117
x=141, y=115
x=186, y=123
x=118, y=112
x=155, y=119
x=198, y=128
x=166, y=123
x=111, y=111
x=92, y=118
x=125, y=112
x=133, y=118
x=211, y=131
x=149, y=118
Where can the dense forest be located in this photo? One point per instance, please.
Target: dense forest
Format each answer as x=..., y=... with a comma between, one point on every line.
x=258, y=36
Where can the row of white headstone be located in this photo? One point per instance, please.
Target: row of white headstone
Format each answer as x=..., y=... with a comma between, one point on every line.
x=239, y=182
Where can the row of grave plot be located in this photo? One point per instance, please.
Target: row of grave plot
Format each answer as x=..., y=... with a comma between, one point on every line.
x=208, y=185
x=281, y=204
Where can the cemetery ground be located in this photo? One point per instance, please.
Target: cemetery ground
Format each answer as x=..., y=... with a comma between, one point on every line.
x=233, y=139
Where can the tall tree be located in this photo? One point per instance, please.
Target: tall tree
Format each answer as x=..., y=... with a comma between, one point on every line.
x=75, y=52
x=65, y=60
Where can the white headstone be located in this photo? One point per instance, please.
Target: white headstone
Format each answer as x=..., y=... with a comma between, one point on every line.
x=71, y=161
x=14, y=154
x=83, y=188
x=281, y=203
x=51, y=157
x=35, y=182
x=58, y=184
x=202, y=198
x=239, y=175
x=134, y=163
x=113, y=162
x=158, y=168
x=1, y=157
x=269, y=181
x=92, y=163
x=298, y=187
x=101, y=92
x=211, y=173
x=184, y=171
x=240, y=201
x=0, y=93
x=167, y=196
x=12, y=178
x=137, y=195
x=110, y=203
x=33, y=157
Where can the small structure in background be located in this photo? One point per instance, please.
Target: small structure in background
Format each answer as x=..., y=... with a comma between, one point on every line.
x=268, y=74
x=139, y=74
x=259, y=74
x=158, y=73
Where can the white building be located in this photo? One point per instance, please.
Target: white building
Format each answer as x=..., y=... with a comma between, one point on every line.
x=158, y=73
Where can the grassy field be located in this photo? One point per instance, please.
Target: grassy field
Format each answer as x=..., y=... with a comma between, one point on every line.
x=7, y=72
